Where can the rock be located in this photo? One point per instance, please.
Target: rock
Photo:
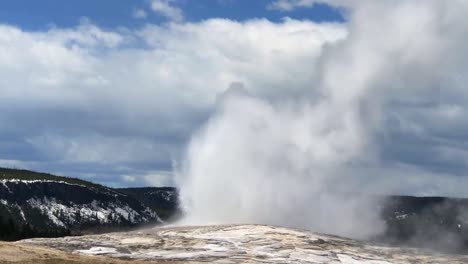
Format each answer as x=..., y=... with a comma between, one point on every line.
x=238, y=244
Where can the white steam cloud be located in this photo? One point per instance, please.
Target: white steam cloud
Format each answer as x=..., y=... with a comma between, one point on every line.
x=308, y=160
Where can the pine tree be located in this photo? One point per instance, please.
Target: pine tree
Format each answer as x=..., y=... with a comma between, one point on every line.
x=12, y=232
x=78, y=216
x=2, y=228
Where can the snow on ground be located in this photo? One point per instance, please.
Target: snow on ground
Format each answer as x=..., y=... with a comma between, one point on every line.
x=138, y=241
x=98, y=251
x=64, y=214
x=5, y=181
x=94, y=210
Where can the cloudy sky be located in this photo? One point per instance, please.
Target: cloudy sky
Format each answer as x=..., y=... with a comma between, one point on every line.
x=111, y=91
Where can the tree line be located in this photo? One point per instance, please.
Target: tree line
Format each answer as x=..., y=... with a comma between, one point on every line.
x=12, y=231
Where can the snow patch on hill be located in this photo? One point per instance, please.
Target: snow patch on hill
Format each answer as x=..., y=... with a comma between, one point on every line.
x=5, y=181
x=58, y=204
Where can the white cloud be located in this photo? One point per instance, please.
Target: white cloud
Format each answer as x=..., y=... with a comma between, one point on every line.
x=86, y=95
x=164, y=8
x=159, y=178
x=17, y=164
x=149, y=178
x=139, y=14
x=78, y=74
x=68, y=66
x=129, y=179
x=289, y=5
x=101, y=149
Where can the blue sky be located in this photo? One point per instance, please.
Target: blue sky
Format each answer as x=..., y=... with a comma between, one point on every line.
x=37, y=15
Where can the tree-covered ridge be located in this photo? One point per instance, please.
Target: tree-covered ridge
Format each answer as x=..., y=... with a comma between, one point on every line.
x=27, y=175
x=34, y=204
x=163, y=200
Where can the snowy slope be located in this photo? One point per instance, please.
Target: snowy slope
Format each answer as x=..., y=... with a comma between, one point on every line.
x=59, y=205
x=163, y=200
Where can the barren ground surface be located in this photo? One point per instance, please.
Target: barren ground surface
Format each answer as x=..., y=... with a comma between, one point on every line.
x=13, y=253
x=219, y=244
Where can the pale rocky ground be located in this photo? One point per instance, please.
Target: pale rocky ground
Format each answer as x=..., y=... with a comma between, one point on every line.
x=233, y=244
x=13, y=253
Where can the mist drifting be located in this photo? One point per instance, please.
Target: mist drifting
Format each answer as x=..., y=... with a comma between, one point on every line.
x=311, y=159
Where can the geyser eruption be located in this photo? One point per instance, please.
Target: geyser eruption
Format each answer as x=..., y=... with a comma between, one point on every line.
x=275, y=164
x=309, y=161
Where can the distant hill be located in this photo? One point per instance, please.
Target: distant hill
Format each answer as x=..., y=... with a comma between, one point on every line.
x=27, y=175
x=434, y=222
x=163, y=200
x=36, y=204
x=39, y=204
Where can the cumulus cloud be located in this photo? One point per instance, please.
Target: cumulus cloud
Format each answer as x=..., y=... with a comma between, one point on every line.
x=288, y=5
x=139, y=14
x=166, y=9
x=82, y=101
x=383, y=113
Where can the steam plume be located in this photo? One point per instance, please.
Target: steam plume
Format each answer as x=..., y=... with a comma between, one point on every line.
x=304, y=161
